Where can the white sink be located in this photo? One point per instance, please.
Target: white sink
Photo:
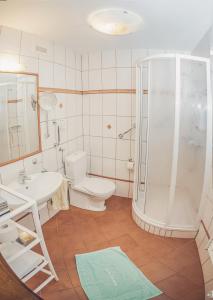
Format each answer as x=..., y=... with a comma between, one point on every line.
x=40, y=186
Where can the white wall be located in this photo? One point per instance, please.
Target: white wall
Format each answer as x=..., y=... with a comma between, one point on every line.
x=202, y=238
x=59, y=67
x=108, y=155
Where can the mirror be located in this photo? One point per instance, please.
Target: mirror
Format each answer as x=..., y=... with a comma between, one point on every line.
x=47, y=101
x=19, y=116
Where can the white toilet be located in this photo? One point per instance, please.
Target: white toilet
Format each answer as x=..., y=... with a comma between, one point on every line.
x=86, y=192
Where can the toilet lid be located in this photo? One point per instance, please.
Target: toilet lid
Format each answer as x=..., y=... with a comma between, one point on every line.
x=98, y=186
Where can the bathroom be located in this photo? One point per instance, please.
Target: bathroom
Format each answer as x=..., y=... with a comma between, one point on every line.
x=106, y=149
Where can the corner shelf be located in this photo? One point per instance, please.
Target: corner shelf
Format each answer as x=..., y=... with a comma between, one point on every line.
x=25, y=262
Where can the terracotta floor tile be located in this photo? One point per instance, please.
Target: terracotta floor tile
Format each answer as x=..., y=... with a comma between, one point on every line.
x=97, y=246
x=176, y=287
x=173, y=264
x=124, y=241
x=63, y=283
x=162, y=297
x=195, y=294
x=194, y=273
x=68, y=294
x=139, y=256
x=181, y=257
x=36, y=280
x=156, y=271
x=74, y=277
x=81, y=294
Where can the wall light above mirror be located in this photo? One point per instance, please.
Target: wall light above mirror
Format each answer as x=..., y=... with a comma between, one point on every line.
x=19, y=116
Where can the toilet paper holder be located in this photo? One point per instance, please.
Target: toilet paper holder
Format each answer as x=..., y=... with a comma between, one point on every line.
x=130, y=164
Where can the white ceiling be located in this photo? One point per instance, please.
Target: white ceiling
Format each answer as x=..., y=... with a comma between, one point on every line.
x=168, y=24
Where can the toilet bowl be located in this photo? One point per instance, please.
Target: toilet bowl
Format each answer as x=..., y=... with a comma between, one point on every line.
x=86, y=192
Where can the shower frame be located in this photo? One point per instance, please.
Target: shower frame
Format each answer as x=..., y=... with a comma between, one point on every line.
x=145, y=222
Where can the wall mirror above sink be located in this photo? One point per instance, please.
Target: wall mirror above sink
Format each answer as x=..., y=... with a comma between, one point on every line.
x=19, y=116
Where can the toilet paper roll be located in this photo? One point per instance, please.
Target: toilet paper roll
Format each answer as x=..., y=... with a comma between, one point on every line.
x=130, y=165
x=8, y=232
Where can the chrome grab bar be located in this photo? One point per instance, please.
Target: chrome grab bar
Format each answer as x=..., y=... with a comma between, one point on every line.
x=121, y=135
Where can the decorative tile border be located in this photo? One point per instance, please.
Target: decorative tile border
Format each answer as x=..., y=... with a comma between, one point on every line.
x=87, y=92
x=158, y=230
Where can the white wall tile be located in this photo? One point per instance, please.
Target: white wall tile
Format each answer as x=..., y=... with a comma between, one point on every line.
x=11, y=172
x=123, y=149
x=10, y=40
x=108, y=167
x=109, y=121
x=47, y=49
x=109, y=146
x=33, y=164
x=85, y=80
x=78, y=122
x=59, y=54
x=78, y=62
x=71, y=105
x=109, y=104
x=28, y=45
x=95, y=60
x=8, y=59
x=96, y=104
x=70, y=58
x=87, y=144
x=133, y=105
x=45, y=73
x=80, y=143
x=48, y=142
x=95, y=80
x=96, y=146
x=124, y=78
x=86, y=104
x=86, y=125
x=124, y=104
x=59, y=76
x=70, y=78
x=79, y=105
x=85, y=62
x=123, y=58
x=123, y=124
x=121, y=170
x=109, y=78
x=122, y=188
x=96, y=165
x=50, y=159
x=96, y=126
x=49, y=59
x=78, y=81
x=108, y=59
x=63, y=132
x=138, y=54
x=30, y=64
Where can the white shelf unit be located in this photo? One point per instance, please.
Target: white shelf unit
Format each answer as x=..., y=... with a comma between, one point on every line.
x=25, y=262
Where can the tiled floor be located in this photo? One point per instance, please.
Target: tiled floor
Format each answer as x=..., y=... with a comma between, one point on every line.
x=172, y=264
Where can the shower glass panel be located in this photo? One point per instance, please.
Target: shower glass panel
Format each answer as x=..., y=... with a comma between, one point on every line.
x=161, y=116
x=192, y=143
x=173, y=140
x=143, y=107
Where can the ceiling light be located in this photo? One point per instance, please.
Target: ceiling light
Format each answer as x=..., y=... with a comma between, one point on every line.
x=115, y=21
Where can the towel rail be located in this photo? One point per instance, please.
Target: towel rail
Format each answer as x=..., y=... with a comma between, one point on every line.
x=121, y=135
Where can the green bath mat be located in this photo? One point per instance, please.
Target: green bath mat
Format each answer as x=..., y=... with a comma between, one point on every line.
x=110, y=275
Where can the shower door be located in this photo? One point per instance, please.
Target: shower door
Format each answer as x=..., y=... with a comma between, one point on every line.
x=173, y=138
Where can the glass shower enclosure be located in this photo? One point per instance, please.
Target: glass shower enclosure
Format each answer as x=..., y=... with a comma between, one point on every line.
x=173, y=140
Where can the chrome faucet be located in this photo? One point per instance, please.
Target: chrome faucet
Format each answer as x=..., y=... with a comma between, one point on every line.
x=23, y=177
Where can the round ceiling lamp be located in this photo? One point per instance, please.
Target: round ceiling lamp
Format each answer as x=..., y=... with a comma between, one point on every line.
x=115, y=21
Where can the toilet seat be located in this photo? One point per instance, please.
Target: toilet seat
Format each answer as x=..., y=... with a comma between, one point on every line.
x=95, y=186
